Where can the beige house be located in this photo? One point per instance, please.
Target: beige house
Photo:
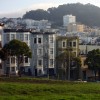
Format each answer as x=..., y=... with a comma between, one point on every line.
x=75, y=27
x=86, y=74
x=71, y=45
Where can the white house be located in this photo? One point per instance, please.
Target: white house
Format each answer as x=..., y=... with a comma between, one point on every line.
x=11, y=63
x=43, y=46
x=67, y=19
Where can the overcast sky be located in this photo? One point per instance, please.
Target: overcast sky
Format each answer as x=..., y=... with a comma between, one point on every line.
x=16, y=8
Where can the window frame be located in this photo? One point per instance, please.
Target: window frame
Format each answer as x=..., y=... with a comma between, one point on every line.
x=64, y=44
x=51, y=62
x=39, y=62
x=39, y=40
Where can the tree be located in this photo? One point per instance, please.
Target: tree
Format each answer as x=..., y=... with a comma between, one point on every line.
x=93, y=61
x=64, y=64
x=18, y=49
x=3, y=54
x=77, y=65
x=38, y=14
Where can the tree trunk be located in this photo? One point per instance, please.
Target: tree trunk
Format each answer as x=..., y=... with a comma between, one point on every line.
x=20, y=60
x=95, y=74
x=18, y=65
x=7, y=70
x=99, y=75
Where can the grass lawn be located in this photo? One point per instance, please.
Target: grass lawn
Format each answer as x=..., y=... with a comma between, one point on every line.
x=38, y=89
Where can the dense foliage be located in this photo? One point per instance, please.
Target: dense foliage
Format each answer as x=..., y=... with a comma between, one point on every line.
x=87, y=14
x=93, y=61
x=66, y=62
x=15, y=48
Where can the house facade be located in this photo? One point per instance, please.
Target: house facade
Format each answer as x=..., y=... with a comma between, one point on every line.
x=69, y=45
x=43, y=46
x=87, y=74
x=10, y=65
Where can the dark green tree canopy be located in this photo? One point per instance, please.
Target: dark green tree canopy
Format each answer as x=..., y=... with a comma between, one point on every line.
x=63, y=57
x=93, y=59
x=93, y=62
x=38, y=14
x=18, y=49
x=15, y=48
x=67, y=61
x=3, y=55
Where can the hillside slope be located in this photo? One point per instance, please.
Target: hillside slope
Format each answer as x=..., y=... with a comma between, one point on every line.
x=87, y=14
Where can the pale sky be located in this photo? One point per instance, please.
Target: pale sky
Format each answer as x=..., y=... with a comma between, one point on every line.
x=16, y=8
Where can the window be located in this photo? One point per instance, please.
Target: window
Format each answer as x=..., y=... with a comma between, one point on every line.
x=70, y=44
x=7, y=70
x=7, y=37
x=51, y=61
x=26, y=59
x=74, y=44
x=39, y=62
x=40, y=71
x=13, y=60
x=26, y=37
x=51, y=50
x=12, y=36
x=21, y=36
x=39, y=51
x=34, y=40
x=12, y=69
x=51, y=39
x=64, y=44
x=39, y=40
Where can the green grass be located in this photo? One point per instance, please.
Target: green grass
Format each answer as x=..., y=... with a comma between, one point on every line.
x=37, y=89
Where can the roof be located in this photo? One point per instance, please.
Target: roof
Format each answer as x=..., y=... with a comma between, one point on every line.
x=44, y=33
x=67, y=37
x=27, y=30
x=16, y=30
